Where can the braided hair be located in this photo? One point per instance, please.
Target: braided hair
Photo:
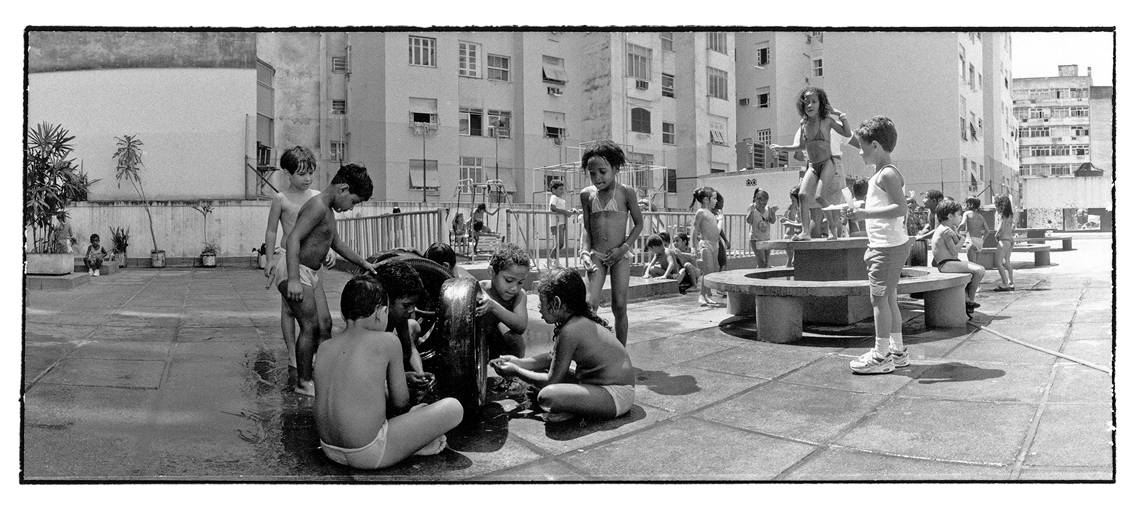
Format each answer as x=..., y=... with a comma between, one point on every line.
x=568, y=286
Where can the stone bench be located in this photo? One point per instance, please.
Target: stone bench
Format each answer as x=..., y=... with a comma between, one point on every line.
x=1066, y=241
x=109, y=267
x=987, y=257
x=778, y=304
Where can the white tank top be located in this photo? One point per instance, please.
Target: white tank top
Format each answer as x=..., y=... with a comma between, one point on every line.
x=883, y=232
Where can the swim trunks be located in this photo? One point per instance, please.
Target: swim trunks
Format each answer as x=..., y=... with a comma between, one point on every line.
x=367, y=457
x=622, y=396
x=280, y=271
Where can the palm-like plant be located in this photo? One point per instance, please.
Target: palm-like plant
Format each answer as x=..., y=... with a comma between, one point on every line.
x=51, y=181
x=204, y=208
x=128, y=158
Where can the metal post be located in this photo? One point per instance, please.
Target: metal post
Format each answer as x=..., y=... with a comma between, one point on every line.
x=423, y=161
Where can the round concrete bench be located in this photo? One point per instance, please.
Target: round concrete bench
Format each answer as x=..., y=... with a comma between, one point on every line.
x=779, y=304
x=987, y=257
x=1066, y=241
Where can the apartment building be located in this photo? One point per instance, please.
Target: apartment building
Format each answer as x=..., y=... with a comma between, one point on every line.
x=940, y=89
x=1060, y=124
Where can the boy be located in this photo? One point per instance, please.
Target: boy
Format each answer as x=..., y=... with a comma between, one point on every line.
x=359, y=377
x=444, y=255
x=760, y=217
x=930, y=201
x=887, y=246
x=95, y=256
x=404, y=287
x=306, y=247
x=561, y=211
x=682, y=262
x=947, y=243
x=659, y=264
x=502, y=309
x=299, y=163
x=706, y=234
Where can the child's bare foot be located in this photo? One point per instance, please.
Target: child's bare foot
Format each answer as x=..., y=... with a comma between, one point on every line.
x=832, y=237
x=559, y=417
x=802, y=237
x=306, y=388
x=435, y=447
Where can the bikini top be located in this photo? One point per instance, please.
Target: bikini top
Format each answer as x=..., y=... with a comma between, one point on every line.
x=596, y=205
x=818, y=145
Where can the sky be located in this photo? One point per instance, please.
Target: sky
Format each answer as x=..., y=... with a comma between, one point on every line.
x=1037, y=54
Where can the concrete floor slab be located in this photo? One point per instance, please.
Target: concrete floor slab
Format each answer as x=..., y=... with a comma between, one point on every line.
x=691, y=449
x=1078, y=384
x=834, y=372
x=220, y=333
x=758, y=360
x=944, y=429
x=804, y=413
x=1098, y=351
x=979, y=381
x=1098, y=330
x=40, y=356
x=541, y=471
x=663, y=352
x=840, y=464
x=562, y=438
x=40, y=331
x=684, y=389
x=1002, y=351
x=1046, y=335
x=147, y=334
x=1069, y=434
x=126, y=350
x=106, y=373
x=1066, y=473
x=1061, y=316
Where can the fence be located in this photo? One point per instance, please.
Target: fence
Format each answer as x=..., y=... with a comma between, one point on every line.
x=374, y=234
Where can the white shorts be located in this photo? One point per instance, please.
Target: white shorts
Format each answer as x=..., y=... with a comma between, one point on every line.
x=622, y=395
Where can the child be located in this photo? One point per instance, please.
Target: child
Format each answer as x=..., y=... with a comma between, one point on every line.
x=683, y=263
x=561, y=211
x=95, y=256
x=887, y=246
x=976, y=228
x=601, y=385
x=760, y=217
x=791, y=222
x=724, y=245
x=659, y=264
x=361, y=406
x=299, y=163
x=706, y=235
x=859, y=194
x=946, y=244
x=607, y=248
x=815, y=136
x=1004, y=223
x=930, y=201
x=403, y=285
x=477, y=218
x=502, y=308
x=442, y=254
x=306, y=247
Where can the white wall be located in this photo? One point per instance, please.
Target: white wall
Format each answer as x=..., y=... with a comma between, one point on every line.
x=191, y=122
x=1067, y=192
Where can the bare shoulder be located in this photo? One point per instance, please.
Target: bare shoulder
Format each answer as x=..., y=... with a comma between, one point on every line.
x=630, y=196
x=587, y=192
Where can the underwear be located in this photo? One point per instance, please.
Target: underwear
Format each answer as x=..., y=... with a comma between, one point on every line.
x=367, y=457
x=944, y=261
x=279, y=271
x=707, y=251
x=597, y=257
x=976, y=243
x=817, y=167
x=622, y=395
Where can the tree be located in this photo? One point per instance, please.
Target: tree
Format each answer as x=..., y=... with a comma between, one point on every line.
x=51, y=181
x=128, y=158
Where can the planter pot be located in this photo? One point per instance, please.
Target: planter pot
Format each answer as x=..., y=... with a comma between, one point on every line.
x=158, y=258
x=121, y=259
x=209, y=260
x=54, y=264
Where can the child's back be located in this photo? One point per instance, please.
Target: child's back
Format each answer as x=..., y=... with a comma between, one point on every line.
x=351, y=373
x=600, y=358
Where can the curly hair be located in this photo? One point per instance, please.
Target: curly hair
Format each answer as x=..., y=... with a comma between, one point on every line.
x=878, y=128
x=947, y=208
x=356, y=177
x=555, y=184
x=440, y=253
x=568, y=286
x=361, y=296
x=508, y=255
x=606, y=149
x=973, y=203
x=298, y=160
x=824, y=104
x=399, y=279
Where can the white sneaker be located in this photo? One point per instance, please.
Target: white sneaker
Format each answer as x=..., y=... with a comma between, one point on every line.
x=900, y=358
x=90, y=272
x=95, y=272
x=872, y=363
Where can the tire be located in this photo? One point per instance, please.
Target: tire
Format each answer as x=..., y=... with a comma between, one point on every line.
x=463, y=373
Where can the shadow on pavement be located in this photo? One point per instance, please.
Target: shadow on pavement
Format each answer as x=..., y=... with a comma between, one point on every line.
x=577, y=428
x=664, y=383
x=948, y=372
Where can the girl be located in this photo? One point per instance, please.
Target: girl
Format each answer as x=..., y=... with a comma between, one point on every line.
x=976, y=228
x=722, y=253
x=557, y=205
x=815, y=136
x=791, y=221
x=601, y=385
x=1005, y=242
x=705, y=241
x=478, y=216
x=607, y=207
x=760, y=217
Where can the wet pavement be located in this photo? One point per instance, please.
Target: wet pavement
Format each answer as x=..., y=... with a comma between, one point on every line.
x=180, y=375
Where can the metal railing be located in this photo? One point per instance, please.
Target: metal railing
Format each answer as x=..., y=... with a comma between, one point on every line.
x=374, y=234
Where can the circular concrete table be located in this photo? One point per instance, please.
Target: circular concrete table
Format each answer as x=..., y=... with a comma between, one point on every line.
x=834, y=260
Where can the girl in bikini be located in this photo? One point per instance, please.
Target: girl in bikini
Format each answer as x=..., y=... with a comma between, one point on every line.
x=814, y=136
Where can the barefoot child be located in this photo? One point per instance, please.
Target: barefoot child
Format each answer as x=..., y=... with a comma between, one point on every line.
x=946, y=244
x=607, y=207
x=601, y=385
x=299, y=164
x=306, y=247
x=791, y=222
x=760, y=217
x=443, y=254
x=706, y=239
x=361, y=406
x=404, y=288
x=683, y=263
x=887, y=246
x=1004, y=225
x=815, y=136
x=502, y=308
x=976, y=228
x=658, y=265
x=561, y=210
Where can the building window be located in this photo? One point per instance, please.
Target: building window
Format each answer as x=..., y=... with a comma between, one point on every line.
x=718, y=168
x=817, y=67
x=421, y=51
x=717, y=41
x=471, y=167
x=668, y=133
x=760, y=148
x=424, y=110
x=667, y=85
x=553, y=70
x=671, y=180
x=965, y=169
x=336, y=150
x=718, y=131
x=418, y=179
x=639, y=120
x=637, y=60
x=666, y=41
x=1058, y=170
x=498, y=68
x=265, y=113
x=962, y=127
x=718, y=83
x=339, y=107
x=971, y=76
x=1079, y=112
x=962, y=60
x=469, y=59
x=554, y=124
x=762, y=96
x=973, y=132
x=501, y=122
x=763, y=54
x=339, y=64
x=470, y=121
x=1080, y=131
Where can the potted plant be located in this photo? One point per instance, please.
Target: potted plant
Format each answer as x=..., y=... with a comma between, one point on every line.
x=128, y=162
x=51, y=182
x=209, y=250
x=119, y=238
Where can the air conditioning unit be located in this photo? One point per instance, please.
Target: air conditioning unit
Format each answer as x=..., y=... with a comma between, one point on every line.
x=642, y=85
x=555, y=91
x=743, y=101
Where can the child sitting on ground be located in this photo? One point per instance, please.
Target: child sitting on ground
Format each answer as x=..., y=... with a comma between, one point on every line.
x=760, y=217
x=404, y=288
x=95, y=256
x=502, y=308
x=659, y=264
x=683, y=263
x=361, y=405
x=976, y=228
x=946, y=244
x=601, y=385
